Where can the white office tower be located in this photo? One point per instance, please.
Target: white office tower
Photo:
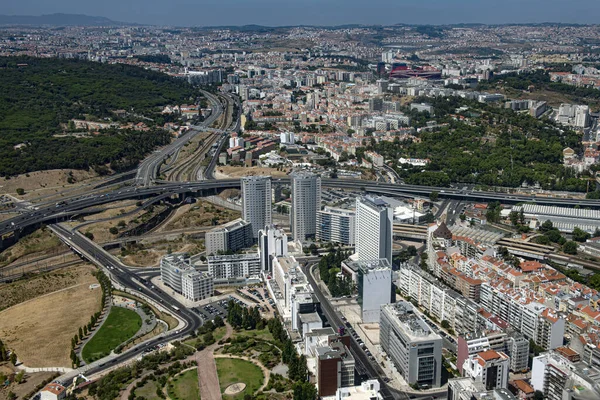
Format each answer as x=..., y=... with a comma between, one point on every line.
x=306, y=201
x=374, y=225
x=256, y=202
x=374, y=287
x=272, y=242
x=172, y=267
x=413, y=348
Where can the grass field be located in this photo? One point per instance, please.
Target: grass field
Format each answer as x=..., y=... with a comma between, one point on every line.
x=120, y=325
x=40, y=330
x=263, y=334
x=233, y=370
x=184, y=386
x=148, y=391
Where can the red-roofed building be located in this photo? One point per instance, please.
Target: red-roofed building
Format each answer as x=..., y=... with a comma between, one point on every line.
x=53, y=391
x=489, y=367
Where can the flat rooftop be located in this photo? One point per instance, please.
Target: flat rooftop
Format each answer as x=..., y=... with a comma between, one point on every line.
x=410, y=321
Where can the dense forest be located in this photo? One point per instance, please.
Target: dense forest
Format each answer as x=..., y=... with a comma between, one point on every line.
x=495, y=147
x=41, y=95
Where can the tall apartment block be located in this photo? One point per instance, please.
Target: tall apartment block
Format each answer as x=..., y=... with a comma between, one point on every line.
x=256, y=202
x=306, y=201
x=232, y=236
x=409, y=342
x=374, y=225
x=336, y=225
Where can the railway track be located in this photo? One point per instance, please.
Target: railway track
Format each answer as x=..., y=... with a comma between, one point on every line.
x=188, y=169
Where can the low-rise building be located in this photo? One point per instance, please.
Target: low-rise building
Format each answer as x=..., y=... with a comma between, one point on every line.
x=53, y=391
x=234, y=266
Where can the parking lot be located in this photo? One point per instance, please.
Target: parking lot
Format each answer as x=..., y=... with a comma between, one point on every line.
x=210, y=311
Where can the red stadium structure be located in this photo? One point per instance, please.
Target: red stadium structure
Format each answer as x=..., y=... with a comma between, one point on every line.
x=402, y=70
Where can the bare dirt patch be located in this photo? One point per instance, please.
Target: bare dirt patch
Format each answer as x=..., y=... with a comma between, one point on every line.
x=235, y=388
x=40, y=330
x=40, y=242
x=101, y=230
x=24, y=290
x=29, y=383
x=149, y=254
x=40, y=183
x=237, y=172
x=200, y=214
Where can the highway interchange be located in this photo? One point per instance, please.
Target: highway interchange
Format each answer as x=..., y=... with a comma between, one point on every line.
x=146, y=186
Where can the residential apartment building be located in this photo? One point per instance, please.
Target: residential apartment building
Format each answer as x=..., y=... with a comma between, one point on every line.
x=560, y=379
x=535, y=321
x=489, y=367
x=442, y=303
x=232, y=236
x=336, y=225
x=256, y=202
x=414, y=349
x=234, y=266
x=196, y=285
x=335, y=368
x=467, y=389
x=374, y=226
x=306, y=201
x=177, y=272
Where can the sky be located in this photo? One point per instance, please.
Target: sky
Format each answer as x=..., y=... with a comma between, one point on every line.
x=315, y=12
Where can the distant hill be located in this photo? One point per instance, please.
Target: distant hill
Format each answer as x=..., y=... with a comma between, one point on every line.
x=58, y=20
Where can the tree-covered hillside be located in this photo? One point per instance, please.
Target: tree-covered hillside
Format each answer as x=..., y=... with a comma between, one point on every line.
x=40, y=96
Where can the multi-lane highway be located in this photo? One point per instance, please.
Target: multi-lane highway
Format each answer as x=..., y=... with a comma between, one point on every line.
x=127, y=279
x=148, y=169
x=51, y=212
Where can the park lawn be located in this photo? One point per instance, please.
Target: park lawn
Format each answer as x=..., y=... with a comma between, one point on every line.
x=148, y=391
x=219, y=333
x=263, y=334
x=121, y=324
x=185, y=386
x=232, y=370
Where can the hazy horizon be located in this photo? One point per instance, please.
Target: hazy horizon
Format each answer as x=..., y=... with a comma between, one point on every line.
x=317, y=12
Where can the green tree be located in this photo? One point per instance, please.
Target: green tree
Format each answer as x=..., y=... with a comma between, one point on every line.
x=538, y=395
x=89, y=235
x=20, y=191
x=433, y=196
x=579, y=235
x=20, y=376
x=445, y=324
x=304, y=391
x=13, y=358
x=514, y=218
x=546, y=226
x=570, y=247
